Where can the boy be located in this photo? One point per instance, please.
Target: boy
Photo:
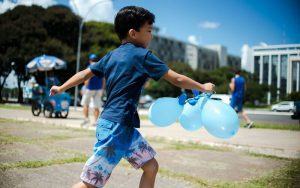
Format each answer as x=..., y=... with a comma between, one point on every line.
x=126, y=69
x=237, y=87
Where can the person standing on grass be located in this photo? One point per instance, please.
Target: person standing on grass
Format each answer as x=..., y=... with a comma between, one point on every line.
x=92, y=94
x=126, y=69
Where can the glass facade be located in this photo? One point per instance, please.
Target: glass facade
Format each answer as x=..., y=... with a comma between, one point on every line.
x=265, y=69
x=294, y=76
x=284, y=62
x=207, y=59
x=171, y=50
x=274, y=72
x=234, y=61
x=294, y=72
x=256, y=66
x=168, y=50
x=283, y=76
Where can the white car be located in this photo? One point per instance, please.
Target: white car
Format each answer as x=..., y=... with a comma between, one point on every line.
x=223, y=97
x=287, y=106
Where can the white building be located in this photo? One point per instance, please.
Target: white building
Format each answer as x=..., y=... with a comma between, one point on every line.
x=198, y=57
x=275, y=65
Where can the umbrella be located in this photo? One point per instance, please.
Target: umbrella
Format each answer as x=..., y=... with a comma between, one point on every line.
x=45, y=63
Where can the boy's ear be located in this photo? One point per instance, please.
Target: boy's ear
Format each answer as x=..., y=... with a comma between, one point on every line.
x=132, y=33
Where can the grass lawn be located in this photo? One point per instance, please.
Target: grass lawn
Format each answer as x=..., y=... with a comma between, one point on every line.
x=15, y=106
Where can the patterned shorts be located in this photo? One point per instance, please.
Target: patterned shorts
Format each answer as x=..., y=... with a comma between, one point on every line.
x=114, y=142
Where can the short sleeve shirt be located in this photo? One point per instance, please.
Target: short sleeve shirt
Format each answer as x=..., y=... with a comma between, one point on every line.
x=239, y=87
x=126, y=69
x=95, y=83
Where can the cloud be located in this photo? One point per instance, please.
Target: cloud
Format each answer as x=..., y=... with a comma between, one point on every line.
x=209, y=25
x=263, y=44
x=94, y=10
x=10, y=4
x=193, y=40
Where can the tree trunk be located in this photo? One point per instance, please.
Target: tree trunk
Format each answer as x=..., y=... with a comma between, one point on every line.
x=20, y=91
x=1, y=87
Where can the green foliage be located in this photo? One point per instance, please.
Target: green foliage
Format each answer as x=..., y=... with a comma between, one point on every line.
x=294, y=96
x=98, y=38
x=28, y=32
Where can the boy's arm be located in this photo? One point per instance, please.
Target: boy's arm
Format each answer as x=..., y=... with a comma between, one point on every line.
x=103, y=83
x=86, y=82
x=231, y=85
x=185, y=82
x=78, y=78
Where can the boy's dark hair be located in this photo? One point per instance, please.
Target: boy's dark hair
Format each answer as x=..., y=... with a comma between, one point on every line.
x=237, y=71
x=132, y=17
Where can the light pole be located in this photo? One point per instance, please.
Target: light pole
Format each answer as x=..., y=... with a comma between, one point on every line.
x=81, y=22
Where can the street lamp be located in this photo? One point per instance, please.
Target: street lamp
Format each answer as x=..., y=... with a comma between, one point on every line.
x=81, y=22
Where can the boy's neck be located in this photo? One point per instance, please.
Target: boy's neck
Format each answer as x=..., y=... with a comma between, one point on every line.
x=129, y=40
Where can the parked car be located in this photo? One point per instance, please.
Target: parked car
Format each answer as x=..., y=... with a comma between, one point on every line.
x=296, y=111
x=223, y=97
x=284, y=106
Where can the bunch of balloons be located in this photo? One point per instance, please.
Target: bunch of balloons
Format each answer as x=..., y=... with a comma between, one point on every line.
x=218, y=118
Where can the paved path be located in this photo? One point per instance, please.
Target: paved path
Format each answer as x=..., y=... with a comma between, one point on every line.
x=281, y=143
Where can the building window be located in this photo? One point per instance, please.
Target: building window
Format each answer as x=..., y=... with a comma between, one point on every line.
x=294, y=75
x=274, y=73
x=256, y=66
x=283, y=74
x=265, y=69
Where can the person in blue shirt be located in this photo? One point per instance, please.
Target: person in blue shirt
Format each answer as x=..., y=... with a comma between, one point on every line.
x=92, y=94
x=126, y=69
x=237, y=87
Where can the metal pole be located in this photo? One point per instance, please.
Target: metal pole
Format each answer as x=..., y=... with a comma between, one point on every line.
x=78, y=61
x=79, y=45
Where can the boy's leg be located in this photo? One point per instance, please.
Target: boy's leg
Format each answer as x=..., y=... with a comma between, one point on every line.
x=245, y=116
x=141, y=155
x=97, y=103
x=96, y=113
x=249, y=123
x=150, y=170
x=108, y=151
x=86, y=98
x=86, y=111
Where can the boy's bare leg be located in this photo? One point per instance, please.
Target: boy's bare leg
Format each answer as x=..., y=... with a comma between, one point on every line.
x=82, y=185
x=150, y=170
x=245, y=116
x=86, y=116
x=86, y=111
x=96, y=113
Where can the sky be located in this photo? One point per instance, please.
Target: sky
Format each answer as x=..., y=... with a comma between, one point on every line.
x=232, y=23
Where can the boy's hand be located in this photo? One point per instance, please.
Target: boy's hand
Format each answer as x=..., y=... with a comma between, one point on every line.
x=55, y=90
x=209, y=87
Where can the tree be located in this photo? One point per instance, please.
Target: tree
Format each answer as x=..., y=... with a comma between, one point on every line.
x=163, y=88
x=27, y=32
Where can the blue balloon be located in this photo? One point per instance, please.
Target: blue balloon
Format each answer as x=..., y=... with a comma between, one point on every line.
x=219, y=119
x=190, y=118
x=165, y=111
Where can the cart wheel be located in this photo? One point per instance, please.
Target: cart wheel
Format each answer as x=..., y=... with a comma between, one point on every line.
x=64, y=114
x=36, y=108
x=48, y=110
